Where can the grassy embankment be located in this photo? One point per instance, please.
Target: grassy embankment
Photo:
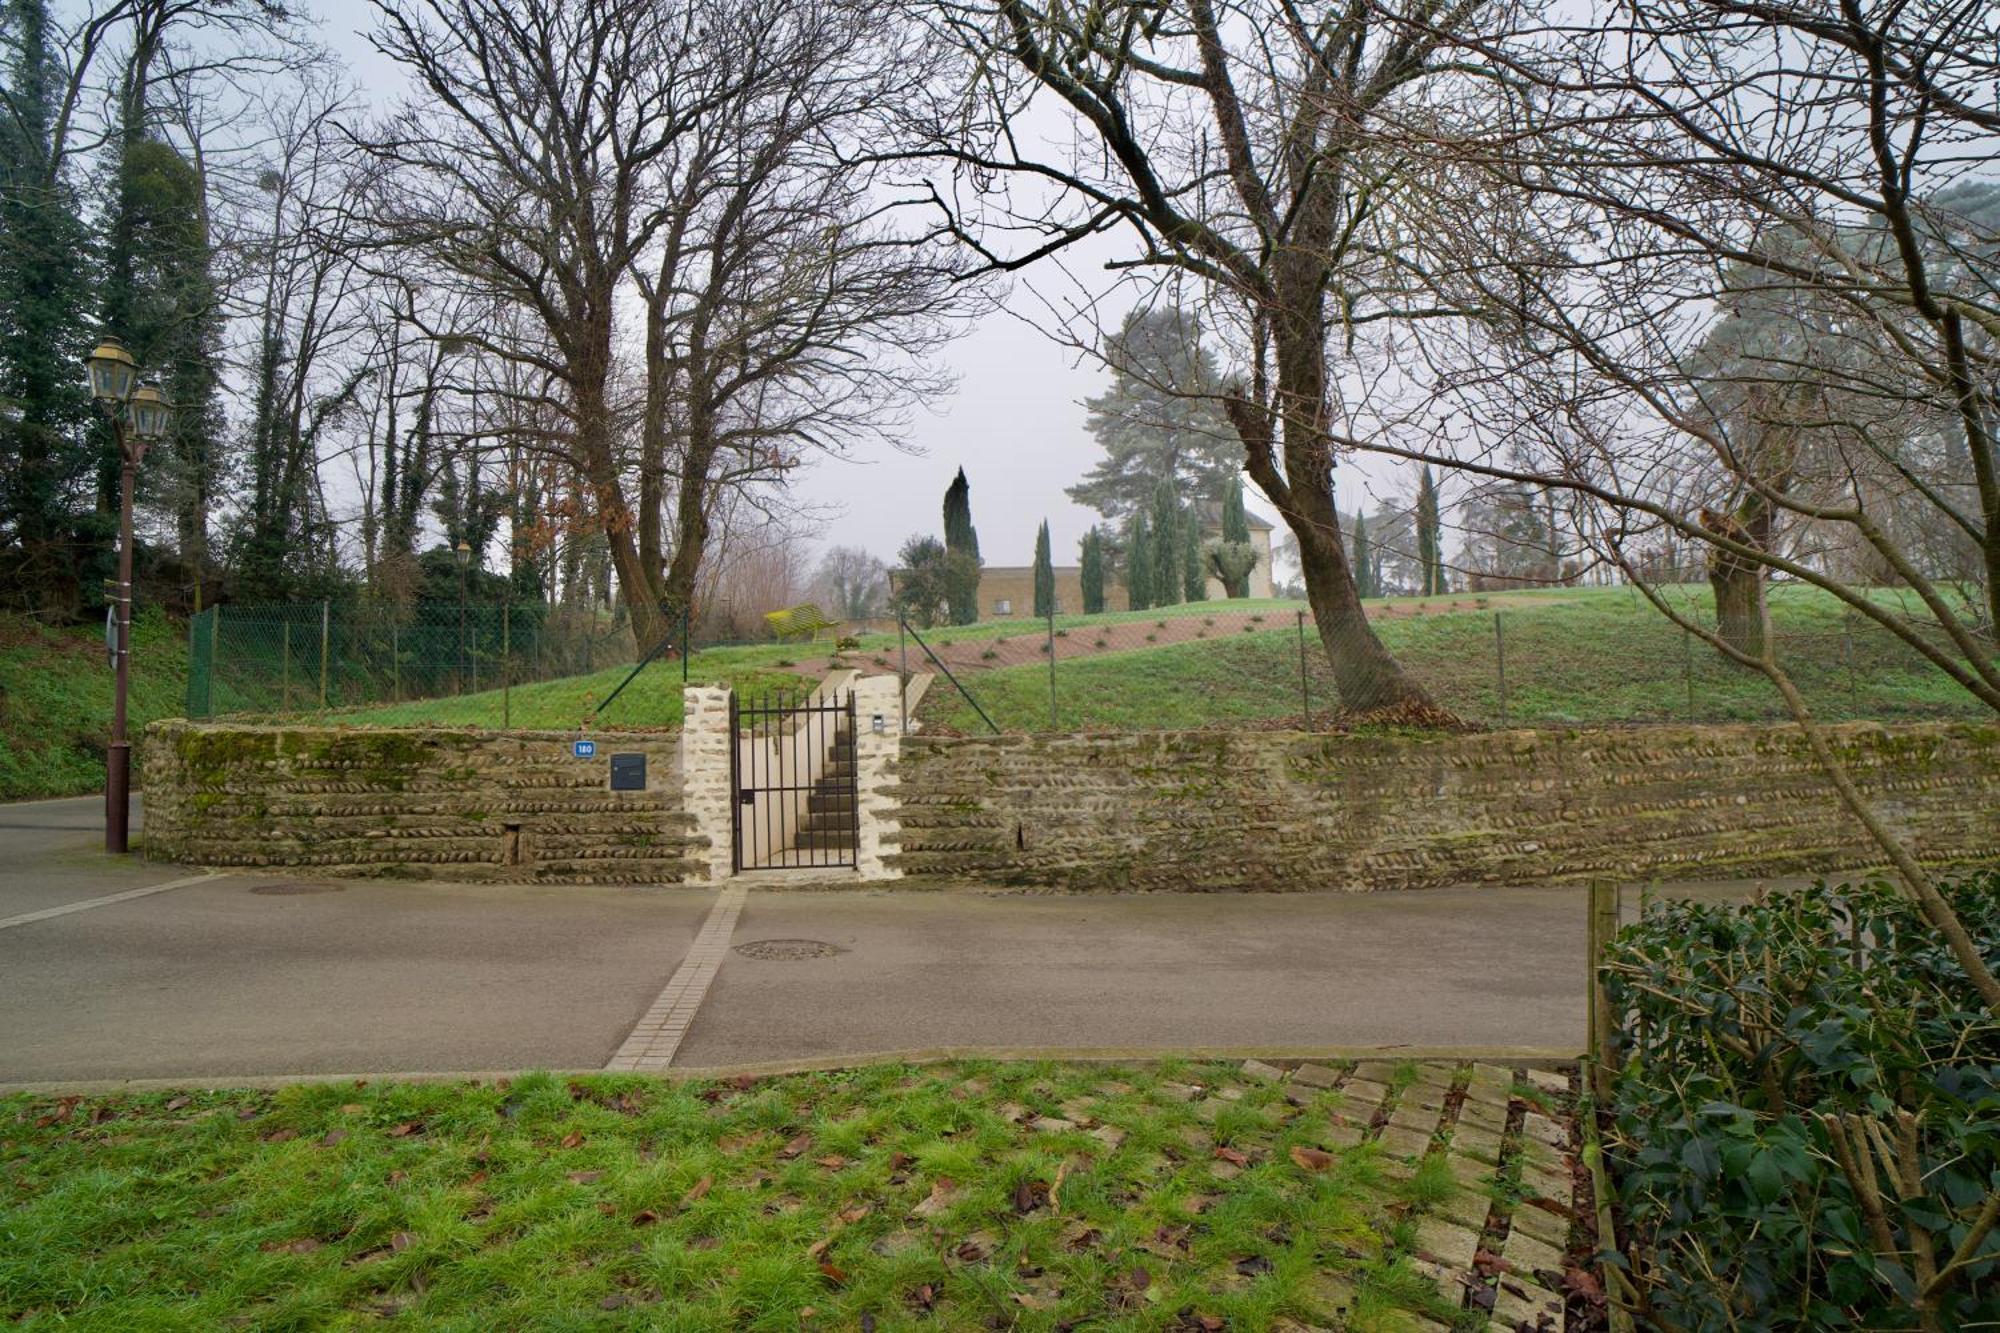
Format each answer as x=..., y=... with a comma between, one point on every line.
x=55, y=700
x=1591, y=656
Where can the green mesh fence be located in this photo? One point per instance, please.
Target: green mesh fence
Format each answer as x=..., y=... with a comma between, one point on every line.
x=315, y=656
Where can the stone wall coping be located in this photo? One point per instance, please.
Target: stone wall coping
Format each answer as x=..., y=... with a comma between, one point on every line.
x=651, y=735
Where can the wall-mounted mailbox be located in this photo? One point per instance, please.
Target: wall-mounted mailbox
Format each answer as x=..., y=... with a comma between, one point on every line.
x=628, y=772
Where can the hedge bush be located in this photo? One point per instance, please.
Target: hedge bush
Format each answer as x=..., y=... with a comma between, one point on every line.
x=1806, y=1114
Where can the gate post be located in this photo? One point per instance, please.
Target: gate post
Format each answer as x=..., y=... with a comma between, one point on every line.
x=708, y=759
x=875, y=752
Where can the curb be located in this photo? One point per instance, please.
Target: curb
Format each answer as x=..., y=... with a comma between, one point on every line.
x=1530, y=1057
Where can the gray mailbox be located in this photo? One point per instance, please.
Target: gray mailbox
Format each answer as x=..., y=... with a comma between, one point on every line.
x=628, y=772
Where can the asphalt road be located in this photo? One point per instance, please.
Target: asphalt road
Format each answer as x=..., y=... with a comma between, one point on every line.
x=213, y=980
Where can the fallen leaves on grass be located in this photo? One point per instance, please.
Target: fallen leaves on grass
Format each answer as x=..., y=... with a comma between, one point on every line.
x=1232, y=1156
x=697, y=1190
x=1312, y=1159
x=939, y=1199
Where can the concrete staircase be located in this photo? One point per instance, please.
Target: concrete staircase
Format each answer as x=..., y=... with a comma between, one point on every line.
x=827, y=830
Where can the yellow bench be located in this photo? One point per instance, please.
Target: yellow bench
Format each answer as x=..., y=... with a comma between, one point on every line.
x=799, y=622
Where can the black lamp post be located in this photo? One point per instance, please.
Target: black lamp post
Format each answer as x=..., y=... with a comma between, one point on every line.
x=140, y=414
x=464, y=554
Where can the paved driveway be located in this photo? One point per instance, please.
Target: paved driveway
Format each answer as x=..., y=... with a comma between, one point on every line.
x=214, y=980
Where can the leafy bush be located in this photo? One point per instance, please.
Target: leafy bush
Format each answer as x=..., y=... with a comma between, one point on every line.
x=1807, y=1112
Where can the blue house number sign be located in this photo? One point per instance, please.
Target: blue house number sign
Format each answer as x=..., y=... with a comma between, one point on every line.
x=583, y=749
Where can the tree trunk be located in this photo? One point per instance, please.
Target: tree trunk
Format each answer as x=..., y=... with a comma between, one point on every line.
x=1367, y=678
x=1740, y=616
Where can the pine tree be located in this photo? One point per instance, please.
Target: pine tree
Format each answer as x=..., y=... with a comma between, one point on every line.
x=1160, y=419
x=961, y=540
x=1139, y=563
x=1365, y=583
x=1430, y=554
x=45, y=455
x=1091, y=572
x=1165, y=587
x=1045, y=575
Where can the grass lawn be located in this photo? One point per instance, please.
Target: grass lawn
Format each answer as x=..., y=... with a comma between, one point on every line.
x=1600, y=655
x=55, y=700
x=888, y=1197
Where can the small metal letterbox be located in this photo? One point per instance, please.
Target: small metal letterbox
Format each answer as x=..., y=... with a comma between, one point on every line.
x=628, y=772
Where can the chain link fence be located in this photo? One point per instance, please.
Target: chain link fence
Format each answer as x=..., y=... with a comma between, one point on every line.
x=1590, y=657
x=322, y=656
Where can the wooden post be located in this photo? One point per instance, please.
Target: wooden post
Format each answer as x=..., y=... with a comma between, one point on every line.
x=1500, y=662
x=1602, y=925
x=325, y=628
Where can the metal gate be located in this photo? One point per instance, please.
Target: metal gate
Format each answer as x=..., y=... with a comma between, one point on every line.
x=791, y=762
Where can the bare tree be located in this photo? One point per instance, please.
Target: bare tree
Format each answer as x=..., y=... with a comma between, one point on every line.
x=1655, y=177
x=1249, y=149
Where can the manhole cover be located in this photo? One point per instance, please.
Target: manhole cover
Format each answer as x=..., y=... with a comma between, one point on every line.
x=290, y=887
x=788, y=951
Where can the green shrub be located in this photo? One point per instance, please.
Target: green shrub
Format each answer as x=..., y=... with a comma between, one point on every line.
x=1759, y=1043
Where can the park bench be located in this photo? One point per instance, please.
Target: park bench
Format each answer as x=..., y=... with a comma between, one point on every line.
x=799, y=622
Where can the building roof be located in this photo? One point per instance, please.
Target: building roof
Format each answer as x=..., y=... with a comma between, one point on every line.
x=1211, y=517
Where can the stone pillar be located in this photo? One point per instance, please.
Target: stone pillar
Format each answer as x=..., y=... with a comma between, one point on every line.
x=705, y=742
x=874, y=774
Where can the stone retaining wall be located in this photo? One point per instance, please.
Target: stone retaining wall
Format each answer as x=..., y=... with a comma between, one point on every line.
x=418, y=802
x=1285, y=810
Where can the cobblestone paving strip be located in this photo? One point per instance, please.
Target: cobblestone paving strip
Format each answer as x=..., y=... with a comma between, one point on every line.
x=64, y=909
x=1453, y=1142
x=658, y=1036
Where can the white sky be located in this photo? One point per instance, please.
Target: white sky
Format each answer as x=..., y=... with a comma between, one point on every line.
x=1015, y=422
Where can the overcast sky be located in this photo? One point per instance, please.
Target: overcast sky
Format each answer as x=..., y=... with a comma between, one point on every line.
x=1015, y=422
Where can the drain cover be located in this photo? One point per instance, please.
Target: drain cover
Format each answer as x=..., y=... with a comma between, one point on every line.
x=291, y=887
x=788, y=951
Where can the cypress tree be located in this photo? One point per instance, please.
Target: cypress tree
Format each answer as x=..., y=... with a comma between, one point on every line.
x=1091, y=573
x=1165, y=588
x=1045, y=575
x=1430, y=555
x=961, y=542
x=1365, y=583
x=1139, y=563
x=1194, y=573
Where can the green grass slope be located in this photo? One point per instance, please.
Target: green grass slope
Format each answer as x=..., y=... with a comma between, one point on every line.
x=1591, y=656
x=55, y=700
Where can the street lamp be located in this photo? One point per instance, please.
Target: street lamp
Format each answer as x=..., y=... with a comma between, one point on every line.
x=140, y=414
x=464, y=554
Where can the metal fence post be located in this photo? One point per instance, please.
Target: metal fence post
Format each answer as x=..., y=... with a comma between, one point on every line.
x=395, y=662
x=1500, y=664
x=1054, y=725
x=214, y=657
x=1687, y=668
x=325, y=630
x=1847, y=653
x=285, y=670
x=902, y=676
x=506, y=659
x=1305, y=690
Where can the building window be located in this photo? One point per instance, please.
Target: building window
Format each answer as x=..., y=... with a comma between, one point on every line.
x=1003, y=607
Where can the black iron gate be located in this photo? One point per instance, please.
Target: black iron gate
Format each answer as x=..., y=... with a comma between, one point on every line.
x=792, y=765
